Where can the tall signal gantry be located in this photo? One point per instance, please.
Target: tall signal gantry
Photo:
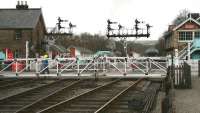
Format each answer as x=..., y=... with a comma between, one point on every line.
x=123, y=33
x=134, y=32
x=59, y=31
x=59, y=23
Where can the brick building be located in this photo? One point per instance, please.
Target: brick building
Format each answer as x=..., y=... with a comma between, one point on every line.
x=20, y=25
x=188, y=31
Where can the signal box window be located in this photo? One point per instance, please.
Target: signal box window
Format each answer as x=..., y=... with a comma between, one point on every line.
x=197, y=35
x=185, y=36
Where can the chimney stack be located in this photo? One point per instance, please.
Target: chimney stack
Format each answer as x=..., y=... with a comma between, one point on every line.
x=193, y=15
x=22, y=3
x=18, y=5
x=22, y=6
x=26, y=5
x=171, y=27
x=18, y=2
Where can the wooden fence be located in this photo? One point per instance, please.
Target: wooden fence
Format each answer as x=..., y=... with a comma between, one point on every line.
x=182, y=76
x=179, y=77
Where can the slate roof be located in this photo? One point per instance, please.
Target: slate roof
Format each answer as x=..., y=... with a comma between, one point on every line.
x=189, y=19
x=15, y=18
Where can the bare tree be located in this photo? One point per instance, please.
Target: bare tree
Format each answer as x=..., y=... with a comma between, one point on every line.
x=183, y=15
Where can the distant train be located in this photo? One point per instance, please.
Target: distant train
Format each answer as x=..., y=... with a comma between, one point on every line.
x=151, y=52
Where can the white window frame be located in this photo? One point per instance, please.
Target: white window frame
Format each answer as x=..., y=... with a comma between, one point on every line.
x=198, y=34
x=184, y=39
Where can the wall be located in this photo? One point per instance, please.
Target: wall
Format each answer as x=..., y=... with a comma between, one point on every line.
x=7, y=38
x=38, y=34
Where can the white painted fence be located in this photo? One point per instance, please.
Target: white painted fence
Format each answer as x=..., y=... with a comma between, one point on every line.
x=123, y=66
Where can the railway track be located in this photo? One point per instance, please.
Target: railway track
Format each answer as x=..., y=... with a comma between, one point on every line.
x=120, y=104
x=14, y=83
x=10, y=82
x=152, y=91
x=4, y=82
x=93, y=100
x=20, y=86
x=15, y=102
x=62, y=94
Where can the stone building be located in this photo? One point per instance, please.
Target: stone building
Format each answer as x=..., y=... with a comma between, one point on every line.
x=19, y=25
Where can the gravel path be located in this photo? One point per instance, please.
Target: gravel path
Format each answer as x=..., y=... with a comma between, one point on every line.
x=188, y=101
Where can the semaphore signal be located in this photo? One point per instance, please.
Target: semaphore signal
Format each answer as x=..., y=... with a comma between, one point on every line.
x=135, y=32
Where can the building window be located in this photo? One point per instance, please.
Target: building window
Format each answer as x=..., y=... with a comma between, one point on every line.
x=185, y=36
x=18, y=34
x=181, y=35
x=197, y=34
x=188, y=35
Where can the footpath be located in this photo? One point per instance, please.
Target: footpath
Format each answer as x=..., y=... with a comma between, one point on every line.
x=188, y=100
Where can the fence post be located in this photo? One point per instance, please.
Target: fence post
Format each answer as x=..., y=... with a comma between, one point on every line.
x=103, y=65
x=190, y=78
x=27, y=54
x=16, y=67
x=187, y=75
x=37, y=68
x=198, y=68
x=176, y=59
x=188, y=50
x=182, y=76
x=125, y=66
x=57, y=67
x=172, y=74
x=147, y=66
x=77, y=62
x=95, y=66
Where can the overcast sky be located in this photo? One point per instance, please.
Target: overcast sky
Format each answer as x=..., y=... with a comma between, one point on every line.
x=91, y=15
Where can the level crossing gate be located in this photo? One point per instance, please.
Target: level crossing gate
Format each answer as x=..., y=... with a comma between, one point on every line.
x=81, y=66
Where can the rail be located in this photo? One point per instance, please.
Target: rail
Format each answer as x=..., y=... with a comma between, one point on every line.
x=63, y=103
x=51, y=95
x=32, y=95
x=106, y=105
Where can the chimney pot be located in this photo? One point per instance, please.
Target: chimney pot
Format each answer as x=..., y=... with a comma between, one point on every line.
x=18, y=5
x=18, y=2
x=22, y=6
x=26, y=5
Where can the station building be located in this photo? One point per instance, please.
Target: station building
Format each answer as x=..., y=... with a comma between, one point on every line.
x=19, y=25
